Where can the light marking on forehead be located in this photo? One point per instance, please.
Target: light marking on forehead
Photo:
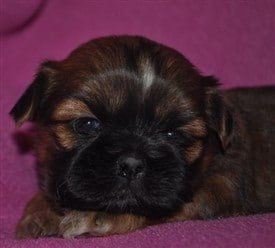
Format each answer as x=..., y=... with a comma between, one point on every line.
x=147, y=73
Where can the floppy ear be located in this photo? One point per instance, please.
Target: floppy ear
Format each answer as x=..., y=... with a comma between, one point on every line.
x=27, y=107
x=220, y=118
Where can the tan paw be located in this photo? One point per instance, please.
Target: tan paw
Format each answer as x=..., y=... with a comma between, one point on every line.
x=84, y=223
x=39, y=224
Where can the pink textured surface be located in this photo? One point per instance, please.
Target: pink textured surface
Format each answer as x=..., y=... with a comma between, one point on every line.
x=233, y=40
x=15, y=14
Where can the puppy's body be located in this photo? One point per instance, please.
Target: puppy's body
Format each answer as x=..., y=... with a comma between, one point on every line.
x=131, y=135
x=257, y=111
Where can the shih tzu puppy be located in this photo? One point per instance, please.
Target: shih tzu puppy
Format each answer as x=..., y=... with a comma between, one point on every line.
x=130, y=134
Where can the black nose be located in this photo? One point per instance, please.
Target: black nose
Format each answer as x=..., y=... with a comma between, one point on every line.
x=130, y=167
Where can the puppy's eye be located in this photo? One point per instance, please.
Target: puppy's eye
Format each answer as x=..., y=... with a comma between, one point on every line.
x=86, y=125
x=170, y=134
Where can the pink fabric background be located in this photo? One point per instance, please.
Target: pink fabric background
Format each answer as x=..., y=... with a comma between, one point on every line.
x=18, y=14
x=234, y=40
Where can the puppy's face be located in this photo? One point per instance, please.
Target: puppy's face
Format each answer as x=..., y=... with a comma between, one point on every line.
x=122, y=121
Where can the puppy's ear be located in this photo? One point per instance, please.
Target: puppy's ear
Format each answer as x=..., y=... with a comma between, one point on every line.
x=27, y=107
x=219, y=114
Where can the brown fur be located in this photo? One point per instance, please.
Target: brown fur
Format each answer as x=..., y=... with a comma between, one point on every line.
x=70, y=109
x=39, y=219
x=233, y=147
x=193, y=152
x=196, y=127
x=63, y=136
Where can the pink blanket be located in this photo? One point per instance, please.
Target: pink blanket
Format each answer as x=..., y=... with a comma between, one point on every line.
x=233, y=40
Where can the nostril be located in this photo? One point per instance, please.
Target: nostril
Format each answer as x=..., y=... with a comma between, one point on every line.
x=123, y=170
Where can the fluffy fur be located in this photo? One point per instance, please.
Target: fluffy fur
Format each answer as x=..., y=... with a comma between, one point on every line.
x=165, y=143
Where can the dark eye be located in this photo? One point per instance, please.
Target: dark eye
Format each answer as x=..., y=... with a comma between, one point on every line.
x=86, y=125
x=170, y=134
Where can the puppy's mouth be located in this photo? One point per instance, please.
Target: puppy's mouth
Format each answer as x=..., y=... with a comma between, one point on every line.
x=129, y=189
x=125, y=196
x=129, y=183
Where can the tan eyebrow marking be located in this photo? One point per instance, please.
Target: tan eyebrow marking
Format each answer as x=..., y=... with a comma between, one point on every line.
x=70, y=109
x=64, y=136
x=193, y=152
x=196, y=127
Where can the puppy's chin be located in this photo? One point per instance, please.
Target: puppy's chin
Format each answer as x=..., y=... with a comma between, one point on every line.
x=126, y=201
x=94, y=182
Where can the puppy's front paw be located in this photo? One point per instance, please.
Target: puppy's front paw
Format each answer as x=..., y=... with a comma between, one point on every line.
x=84, y=223
x=39, y=224
x=76, y=223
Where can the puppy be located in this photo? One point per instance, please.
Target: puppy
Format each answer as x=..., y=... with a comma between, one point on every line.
x=130, y=134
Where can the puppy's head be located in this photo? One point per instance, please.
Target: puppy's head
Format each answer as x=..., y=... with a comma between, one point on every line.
x=123, y=123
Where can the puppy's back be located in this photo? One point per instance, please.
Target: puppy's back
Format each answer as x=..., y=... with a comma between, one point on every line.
x=252, y=96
